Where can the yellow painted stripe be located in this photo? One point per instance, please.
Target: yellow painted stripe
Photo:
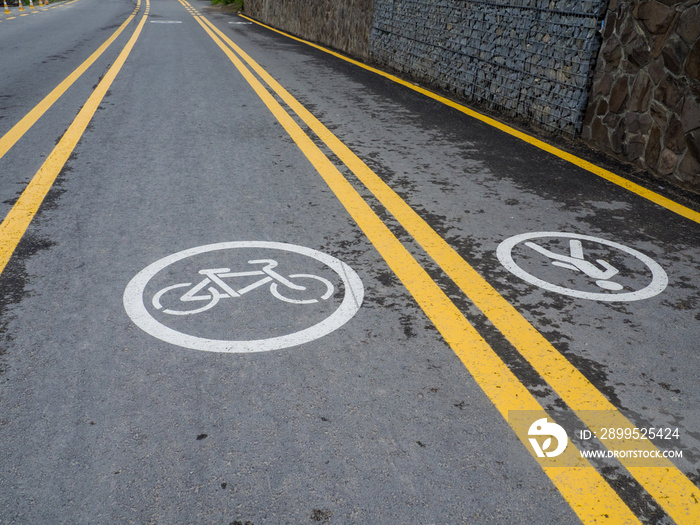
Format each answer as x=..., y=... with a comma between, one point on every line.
x=10, y=138
x=582, y=486
x=20, y=216
x=652, y=196
x=673, y=490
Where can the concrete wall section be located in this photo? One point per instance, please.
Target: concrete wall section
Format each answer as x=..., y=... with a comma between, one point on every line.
x=527, y=58
x=342, y=25
x=645, y=101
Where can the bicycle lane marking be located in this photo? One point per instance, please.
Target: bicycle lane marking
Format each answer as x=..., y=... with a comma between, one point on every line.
x=135, y=307
x=633, y=187
x=582, y=486
x=668, y=485
x=15, y=133
x=20, y=216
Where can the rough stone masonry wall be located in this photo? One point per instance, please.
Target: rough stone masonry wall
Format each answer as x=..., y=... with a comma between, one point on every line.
x=645, y=101
x=526, y=58
x=340, y=24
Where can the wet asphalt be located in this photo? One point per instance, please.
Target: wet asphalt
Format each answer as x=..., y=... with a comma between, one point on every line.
x=375, y=421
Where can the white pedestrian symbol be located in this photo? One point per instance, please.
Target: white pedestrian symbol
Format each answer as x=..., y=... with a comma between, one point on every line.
x=577, y=263
x=639, y=285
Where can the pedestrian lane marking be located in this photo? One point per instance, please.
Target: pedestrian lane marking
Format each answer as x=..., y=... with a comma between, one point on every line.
x=598, y=279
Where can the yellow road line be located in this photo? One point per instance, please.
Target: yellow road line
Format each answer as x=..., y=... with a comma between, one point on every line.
x=10, y=138
x=652, y=196
x=666, y=483
x=20, y=216
x=582, y=486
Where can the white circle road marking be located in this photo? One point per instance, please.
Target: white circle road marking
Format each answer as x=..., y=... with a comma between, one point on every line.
x=658, y=283
x=136, y=309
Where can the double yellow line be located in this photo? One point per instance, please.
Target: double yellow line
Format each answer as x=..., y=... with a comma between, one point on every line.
x=590, y=496
x=20, y=216
x=643, y=192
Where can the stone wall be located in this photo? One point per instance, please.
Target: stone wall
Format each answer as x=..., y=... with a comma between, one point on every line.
x=526, y=58
x=534, y=59
x=645, y=100
x=343, y=25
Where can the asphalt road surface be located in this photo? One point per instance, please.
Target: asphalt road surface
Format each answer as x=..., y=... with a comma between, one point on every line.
x=246, y=280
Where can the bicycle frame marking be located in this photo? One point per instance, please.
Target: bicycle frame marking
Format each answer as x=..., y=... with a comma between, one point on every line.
x=217, y=275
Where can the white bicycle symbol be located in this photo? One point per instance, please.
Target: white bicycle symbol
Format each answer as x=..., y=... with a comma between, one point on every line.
x=186, y=299
x=206, y=292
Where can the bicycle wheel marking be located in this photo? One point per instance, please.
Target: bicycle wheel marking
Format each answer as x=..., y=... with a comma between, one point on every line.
x=203, y=296
x=595, y=273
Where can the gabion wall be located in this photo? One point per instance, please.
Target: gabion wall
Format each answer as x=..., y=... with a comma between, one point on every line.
x=527, y=58
x=343, y=25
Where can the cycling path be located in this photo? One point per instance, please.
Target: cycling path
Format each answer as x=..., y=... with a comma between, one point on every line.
x=271, y=285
